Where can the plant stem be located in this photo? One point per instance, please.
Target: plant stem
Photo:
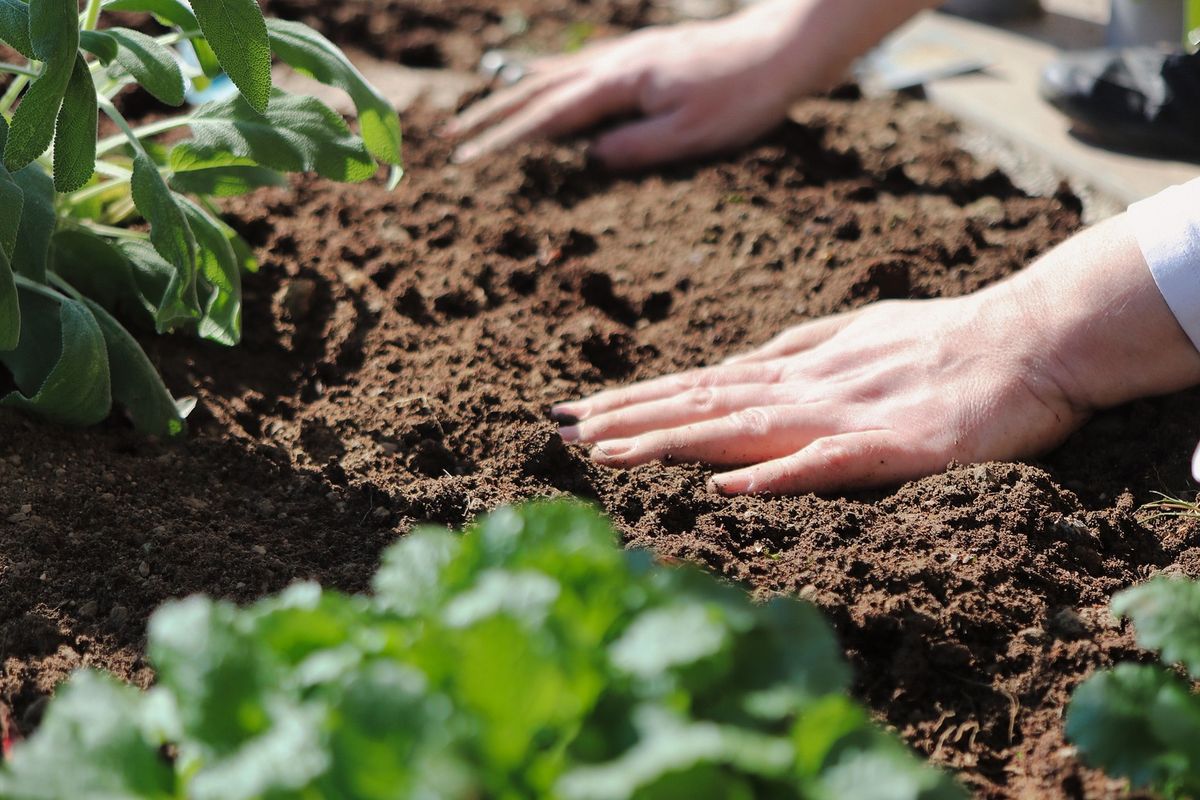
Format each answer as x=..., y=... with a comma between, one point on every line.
x=14, y=91
x=15, y=69
x=113, y=170
x=91, y=15
x=37, y=288
x=97, y=190
x=134, y=134
x=113, y=232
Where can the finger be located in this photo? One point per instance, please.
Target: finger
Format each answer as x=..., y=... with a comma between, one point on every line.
x=564, y=109
x=645, y=143
x=744, y=437
x=505, y=102
x=796, y=340
x=668, y=386
x=848, y=461
x=686, y=408
x=1196, y=464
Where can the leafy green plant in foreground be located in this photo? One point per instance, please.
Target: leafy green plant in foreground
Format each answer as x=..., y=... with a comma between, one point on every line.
x=1143, y=722
x=70, y=264
x=531, y=657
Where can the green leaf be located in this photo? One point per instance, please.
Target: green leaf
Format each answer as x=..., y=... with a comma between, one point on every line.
x=242, y=249
x=10, y=306
x=54, y=38
x=94, y=742
x=12, y=200
x=150, y=63
x=410, y=578
x=54, y=29
x=220, y=275
x=151, y=273
x=237, y=33
x=1166, y=617
x=1129, y=721
x=171, y=12
x=297, y=134
x=226, y=181
x=103, y=273
x=75, y=133
x=14, y=26
x=279, y=763
x=61, y=364
x=38, y=222
x=676, y=757
x=886, y=773
x=136, y=384
x=172, y=237
x=209, y=663
x=310, y=53
x=668, y=638
x=99, y=44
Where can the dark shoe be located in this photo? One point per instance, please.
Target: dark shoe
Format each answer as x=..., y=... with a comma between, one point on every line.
x=1140, y=99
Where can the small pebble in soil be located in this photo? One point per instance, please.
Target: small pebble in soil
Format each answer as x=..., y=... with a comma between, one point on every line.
x=144, y=569
x=118, y=616
x=88, y=609
x=258, y=548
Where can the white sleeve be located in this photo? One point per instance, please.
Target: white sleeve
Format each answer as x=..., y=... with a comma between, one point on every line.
x=1167, y=229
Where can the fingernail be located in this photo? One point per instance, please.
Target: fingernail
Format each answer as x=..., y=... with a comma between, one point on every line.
x=570, y=433
x=449, y=130
x=465, y=153
x=732, y=484
x=565, y=414
x=610, y=450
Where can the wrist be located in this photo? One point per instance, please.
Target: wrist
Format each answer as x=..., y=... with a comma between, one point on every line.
x=1089, y=315
x=817, y=41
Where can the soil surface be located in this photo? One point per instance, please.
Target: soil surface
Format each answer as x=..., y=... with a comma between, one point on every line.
x=401, y=350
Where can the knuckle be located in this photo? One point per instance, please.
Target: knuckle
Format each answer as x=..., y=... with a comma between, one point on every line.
x=754, y=421
x=701, y=399
x=831, y=454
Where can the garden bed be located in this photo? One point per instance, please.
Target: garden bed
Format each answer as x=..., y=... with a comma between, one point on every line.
x=402, y=348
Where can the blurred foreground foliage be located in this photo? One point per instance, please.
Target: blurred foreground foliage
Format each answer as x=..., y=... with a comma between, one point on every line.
x=530, y=657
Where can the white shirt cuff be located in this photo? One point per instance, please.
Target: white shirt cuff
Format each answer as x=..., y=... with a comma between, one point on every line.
x=1167, y=229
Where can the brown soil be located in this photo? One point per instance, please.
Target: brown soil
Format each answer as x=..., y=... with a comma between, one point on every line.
x=401, y=350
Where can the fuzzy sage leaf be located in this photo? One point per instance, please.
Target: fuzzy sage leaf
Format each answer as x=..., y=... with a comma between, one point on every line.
x=237, y=33
x=54, y=39
x=14, y=26
x=174, y=241
x=310, y=53
x=75, y=131
x=297, y=134
x=151, y=64
x=61, y=363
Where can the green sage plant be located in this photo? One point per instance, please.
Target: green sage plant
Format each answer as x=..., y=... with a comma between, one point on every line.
x=531, y=657
x=76, y=268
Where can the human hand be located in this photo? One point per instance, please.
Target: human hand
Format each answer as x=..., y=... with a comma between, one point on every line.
x=701, y=87
x=878, y=396
x=897, y=390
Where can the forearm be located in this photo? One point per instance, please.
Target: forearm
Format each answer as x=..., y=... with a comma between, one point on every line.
x=1108, y=333
x=820, y=39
